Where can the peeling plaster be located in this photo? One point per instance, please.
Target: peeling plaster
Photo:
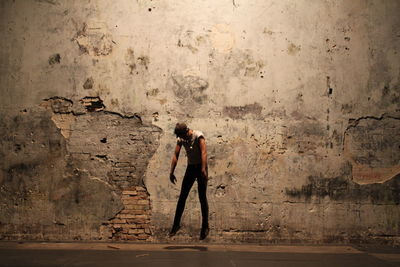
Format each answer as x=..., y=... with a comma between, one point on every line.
x=367, y=142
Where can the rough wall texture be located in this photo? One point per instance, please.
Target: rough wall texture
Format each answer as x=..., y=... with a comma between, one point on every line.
x=299, y=102
x=72, y=171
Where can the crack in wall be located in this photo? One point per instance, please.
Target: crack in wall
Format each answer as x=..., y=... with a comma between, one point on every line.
x=368, y=144
x=354, y=122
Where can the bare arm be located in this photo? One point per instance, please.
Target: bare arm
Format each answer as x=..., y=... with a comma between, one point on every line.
x=174, y=161
x=203, y=151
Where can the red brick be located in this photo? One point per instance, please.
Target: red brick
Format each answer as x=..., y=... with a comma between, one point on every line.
x=133, y=226
x=137, y=221
x=142, y=189
x=142, y=236
x=142, y=216
x=137, y=212
x=135, y=197
x=134, y=212
x=137, y=207
x=117, y=220
x=136, y=231
x=131, y=193
x=130, y=201
x=127, y=216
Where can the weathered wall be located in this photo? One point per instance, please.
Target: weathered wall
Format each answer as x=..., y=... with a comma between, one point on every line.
x=299, y=102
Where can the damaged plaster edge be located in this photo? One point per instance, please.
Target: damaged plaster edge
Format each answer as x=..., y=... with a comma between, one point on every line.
x=354, y=123
x=101, y=181
x=383, y=178
x=75, y=113
x=392, y=173
x=58, y=97
x=64, y=118
x=134, y=116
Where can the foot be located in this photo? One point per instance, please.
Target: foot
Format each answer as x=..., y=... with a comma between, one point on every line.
x=204, y=232
x=174, y=230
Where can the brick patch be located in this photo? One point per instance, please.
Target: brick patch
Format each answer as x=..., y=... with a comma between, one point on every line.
x=133, y=222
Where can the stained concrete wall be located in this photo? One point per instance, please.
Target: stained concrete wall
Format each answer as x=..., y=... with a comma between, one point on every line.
x=298, y=100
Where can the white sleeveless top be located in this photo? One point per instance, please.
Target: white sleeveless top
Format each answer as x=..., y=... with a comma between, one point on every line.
x=192, y=147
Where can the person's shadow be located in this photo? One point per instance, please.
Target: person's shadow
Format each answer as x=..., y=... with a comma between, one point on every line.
x=199, y=248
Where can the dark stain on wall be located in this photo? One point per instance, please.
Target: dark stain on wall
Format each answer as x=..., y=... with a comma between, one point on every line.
x=240, y=112
x=92, y=42
x=342, y=189
x=390, y=94
x=144, y=61
x=347, y=108
x=130, y=60
x=244, y=64
x=54, y=59
x=17, y=181
x=135, y=64
x=60, y=105
x=88, y=83
x=189, y=89
x=370, y=140
x=293, y=49
x=307, y=134
x=51, y=2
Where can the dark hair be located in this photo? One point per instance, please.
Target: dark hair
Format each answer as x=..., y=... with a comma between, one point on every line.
x=181, y=128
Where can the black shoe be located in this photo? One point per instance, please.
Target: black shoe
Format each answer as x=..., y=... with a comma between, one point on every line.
x=204, y=233
x=174, y=230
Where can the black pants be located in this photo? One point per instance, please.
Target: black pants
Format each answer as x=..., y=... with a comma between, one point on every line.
x=193, y=172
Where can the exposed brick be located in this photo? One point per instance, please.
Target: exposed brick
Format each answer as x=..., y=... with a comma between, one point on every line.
x=133, y=226
x=135, y=212
x=127, y=216
x=138, y=220
x=136, y=231
x=137, y=197
x=137, y=207
x=142, y=236
x=132, y=193
x=142, y=189
x=133, y=222
x=117, y=220
x=144, y=201
x=130, y=202
x=122, y=173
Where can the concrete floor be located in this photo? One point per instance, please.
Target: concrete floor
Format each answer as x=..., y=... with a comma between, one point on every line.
x=128, y=254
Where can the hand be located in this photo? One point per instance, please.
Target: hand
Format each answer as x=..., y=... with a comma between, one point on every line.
x=204, y=174
x=172, y=178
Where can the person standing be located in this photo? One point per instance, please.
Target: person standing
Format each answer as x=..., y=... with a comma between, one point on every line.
x=195, y=145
